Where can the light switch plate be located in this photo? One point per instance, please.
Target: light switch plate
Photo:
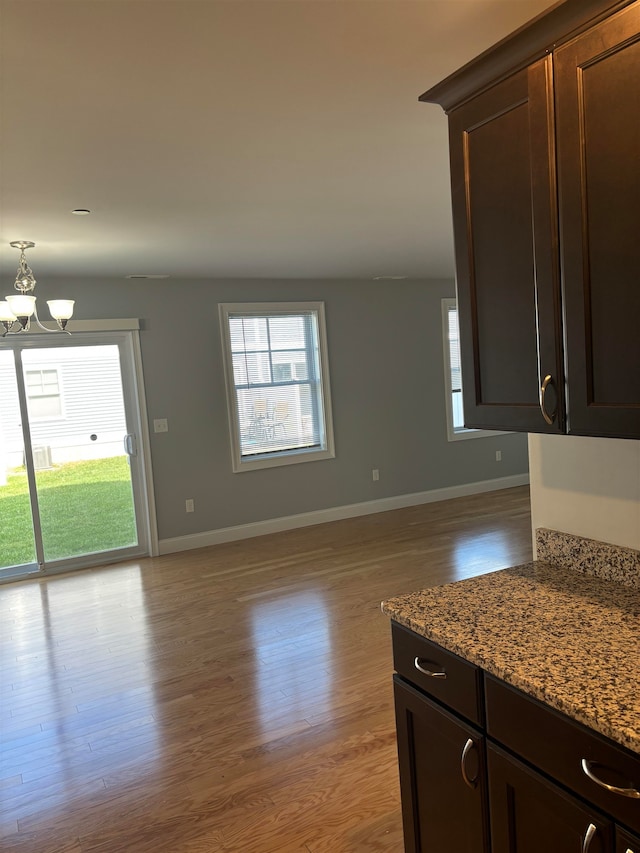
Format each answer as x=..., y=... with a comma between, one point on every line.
x=160, y=425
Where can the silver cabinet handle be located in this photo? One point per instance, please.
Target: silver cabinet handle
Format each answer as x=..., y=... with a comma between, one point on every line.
x=633, y=793
x=469, y=745
x=588, y=837
x=418, y=665
x=549, y=418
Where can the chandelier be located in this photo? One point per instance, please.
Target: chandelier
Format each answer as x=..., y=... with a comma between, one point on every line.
x=18, y=309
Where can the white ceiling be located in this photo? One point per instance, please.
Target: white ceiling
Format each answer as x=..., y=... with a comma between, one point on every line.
x=233, y=138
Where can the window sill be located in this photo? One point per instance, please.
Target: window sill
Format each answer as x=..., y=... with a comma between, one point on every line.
x=292, y=457
x=464, y=434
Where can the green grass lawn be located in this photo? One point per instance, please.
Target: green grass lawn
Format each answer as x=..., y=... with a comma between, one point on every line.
x=84, y=507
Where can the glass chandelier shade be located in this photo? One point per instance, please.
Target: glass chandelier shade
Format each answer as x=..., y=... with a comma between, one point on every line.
x=6, y=314
x=61, y=309
x=21, y=306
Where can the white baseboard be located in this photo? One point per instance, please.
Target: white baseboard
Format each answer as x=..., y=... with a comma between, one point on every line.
x=306, y=519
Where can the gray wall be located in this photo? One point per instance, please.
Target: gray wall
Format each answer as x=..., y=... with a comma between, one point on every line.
x=386, y=366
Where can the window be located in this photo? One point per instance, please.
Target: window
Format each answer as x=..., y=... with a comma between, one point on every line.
x=277, y=383
x=43, y=393
x=453, y=377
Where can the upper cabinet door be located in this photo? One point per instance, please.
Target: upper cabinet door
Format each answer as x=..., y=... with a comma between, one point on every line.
x=598, y=146
x=505, y=223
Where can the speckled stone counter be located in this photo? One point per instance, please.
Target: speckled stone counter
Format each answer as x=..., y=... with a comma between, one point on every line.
x=589, y=556
x=562, y=636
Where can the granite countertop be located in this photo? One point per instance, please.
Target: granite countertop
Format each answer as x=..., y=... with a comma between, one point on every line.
x=564, y=630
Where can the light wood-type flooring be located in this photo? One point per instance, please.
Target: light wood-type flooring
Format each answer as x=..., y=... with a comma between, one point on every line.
x=235, y=698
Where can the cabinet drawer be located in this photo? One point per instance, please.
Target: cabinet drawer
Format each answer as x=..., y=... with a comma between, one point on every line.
x=453, y=681
x=558, y=746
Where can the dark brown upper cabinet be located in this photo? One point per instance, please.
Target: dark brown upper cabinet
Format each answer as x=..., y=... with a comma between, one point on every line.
x=545, y=173
x=598, y=142
x=504, y=213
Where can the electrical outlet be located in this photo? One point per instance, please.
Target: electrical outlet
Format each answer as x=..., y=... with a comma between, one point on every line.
x=189, y=505
x=498, y=456
x=375, y=474
x=160, y=425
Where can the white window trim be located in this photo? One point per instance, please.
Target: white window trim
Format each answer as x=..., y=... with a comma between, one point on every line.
x=462, y=433
x=278, y=458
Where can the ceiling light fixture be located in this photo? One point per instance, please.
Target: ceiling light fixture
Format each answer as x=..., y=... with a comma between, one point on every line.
x=147, y=275
x=389, y=277
x=19, y=308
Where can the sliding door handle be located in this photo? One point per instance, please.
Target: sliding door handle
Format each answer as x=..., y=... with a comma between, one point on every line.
x=130, y=444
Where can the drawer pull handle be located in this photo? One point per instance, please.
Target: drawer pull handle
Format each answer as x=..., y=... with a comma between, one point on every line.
x=588, y=837
x=471, y=783
x=431, y=673
x=633, y=793
x=549, y=418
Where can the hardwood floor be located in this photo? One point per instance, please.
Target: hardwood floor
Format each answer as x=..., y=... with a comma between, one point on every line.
x=235, y=698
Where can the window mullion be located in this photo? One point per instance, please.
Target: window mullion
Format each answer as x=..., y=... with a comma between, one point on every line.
x=244, y=352
x=269, y=352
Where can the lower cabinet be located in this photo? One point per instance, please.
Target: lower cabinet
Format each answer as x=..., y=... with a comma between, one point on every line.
x=484, y=768
x=530, y=814
x=442, y=777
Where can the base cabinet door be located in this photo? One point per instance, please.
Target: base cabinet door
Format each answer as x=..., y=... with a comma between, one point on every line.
x=626, y=843
x=529, y=814
x=442, y=777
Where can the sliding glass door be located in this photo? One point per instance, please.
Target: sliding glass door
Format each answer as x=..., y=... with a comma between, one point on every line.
x=17, y=540
x=72, y=490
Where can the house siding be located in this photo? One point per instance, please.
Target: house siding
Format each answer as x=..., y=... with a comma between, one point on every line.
x=90, y=388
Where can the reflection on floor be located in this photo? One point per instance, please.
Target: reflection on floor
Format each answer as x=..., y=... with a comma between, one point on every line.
x=236, y=698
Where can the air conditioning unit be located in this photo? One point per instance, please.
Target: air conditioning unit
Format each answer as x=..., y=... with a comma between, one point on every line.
x=42, y=457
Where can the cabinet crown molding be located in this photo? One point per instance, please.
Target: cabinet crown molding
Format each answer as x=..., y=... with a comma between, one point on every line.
x=533, y=40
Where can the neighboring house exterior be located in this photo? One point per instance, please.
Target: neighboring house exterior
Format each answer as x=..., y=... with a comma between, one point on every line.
x=75, y=407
